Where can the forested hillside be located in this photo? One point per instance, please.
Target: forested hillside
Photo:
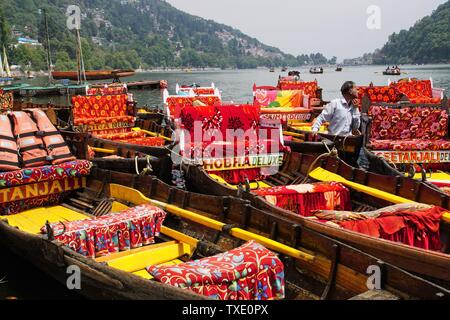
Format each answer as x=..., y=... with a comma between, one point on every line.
x=133, y=34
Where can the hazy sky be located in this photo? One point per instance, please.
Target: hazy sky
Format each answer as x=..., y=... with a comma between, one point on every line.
x=299, y=26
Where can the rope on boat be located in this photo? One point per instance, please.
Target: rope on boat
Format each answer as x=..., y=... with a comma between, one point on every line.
x=331, y=153
x=147, y=170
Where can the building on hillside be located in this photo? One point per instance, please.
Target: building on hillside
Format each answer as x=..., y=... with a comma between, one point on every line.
x=28, y=41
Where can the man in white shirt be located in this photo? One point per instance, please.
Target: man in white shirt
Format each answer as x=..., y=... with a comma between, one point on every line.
x=344, y=117
x=342, y=114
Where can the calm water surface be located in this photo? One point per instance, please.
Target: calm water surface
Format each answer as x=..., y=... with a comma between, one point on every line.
x=25, y=282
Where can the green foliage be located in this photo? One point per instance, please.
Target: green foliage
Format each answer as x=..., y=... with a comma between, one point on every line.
x=147, y=33
x=428, y=41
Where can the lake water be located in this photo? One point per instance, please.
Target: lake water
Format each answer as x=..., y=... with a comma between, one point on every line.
x=236, y=85
x=25, y=282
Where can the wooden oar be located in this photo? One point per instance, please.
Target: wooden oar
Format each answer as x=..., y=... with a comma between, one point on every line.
x=321, y=174
x=153, y=134
x=136, y=197
x=101, y=150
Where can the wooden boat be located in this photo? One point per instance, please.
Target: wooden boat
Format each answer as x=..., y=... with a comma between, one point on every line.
x=392, y=72
x=93, y=75
x=349, y=147
x=338, y=69
x=147, y=84
x=52, y=90
x=316, y=267
x=316, y=70
x=369, y=191
x=153, y=114
x=150, y=128
x=272, y=70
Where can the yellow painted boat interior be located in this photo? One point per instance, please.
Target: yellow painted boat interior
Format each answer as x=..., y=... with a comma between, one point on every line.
x=253, y=185
x=321, y=174
x=134, y=261
x=434, y=176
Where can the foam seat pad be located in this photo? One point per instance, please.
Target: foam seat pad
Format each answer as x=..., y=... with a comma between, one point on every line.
x=410, y=145
x=250, y=272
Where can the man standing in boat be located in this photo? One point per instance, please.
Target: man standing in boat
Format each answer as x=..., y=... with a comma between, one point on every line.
x=343, y=117
x=342, y=114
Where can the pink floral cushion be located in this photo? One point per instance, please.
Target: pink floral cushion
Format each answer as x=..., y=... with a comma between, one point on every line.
x=410, y=144
x=408, y=123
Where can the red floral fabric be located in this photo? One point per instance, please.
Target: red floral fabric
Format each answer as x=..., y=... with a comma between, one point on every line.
x=127, y=120
x=238, y=176
x=77, y=168
x=221, y=118
x=423, y=123
x=250, y=272
x=418, y=228
x=387, y=94
x=134, y=137
x=95, y=107
x=27, y=204
x=116, y=232
x=304, y=199
x=107, y=90
x=410, y=144
x=178, y=103
x=308, y=88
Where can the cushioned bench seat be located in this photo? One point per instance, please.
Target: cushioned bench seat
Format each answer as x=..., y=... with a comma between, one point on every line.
x=250, y=272
x=304, y=199
x=103, y=120
x=76, y=168
x=116, y=232
x=410, y=144
x=41, y=186
x=133, y=137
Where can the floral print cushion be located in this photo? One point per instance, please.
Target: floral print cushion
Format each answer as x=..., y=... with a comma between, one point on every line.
x=416, y=88
x=116, y=232
x=72, y=169
x=304, y=199
x=250, y=272
x=308, y=88
x=408, y=123
x=94, y=107
x=177, y=104
x=410, y=145
x=387, y=94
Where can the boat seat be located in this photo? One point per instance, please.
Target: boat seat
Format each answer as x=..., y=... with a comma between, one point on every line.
x=410, y=128
x=126, y=120
x=304, y=199
x=410, y=144
x=176, y=104
x=33, y=187
x=250, y=272
x=132, y=228
x=133, y=137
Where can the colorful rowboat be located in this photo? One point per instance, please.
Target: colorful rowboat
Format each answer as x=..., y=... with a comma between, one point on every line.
x=316, y=267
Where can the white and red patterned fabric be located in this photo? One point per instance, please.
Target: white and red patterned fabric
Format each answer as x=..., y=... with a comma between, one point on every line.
x=221, y=119
x=116, y=232
x=250, y=272
x=304, y=199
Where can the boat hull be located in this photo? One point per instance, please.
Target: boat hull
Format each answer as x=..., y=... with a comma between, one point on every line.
x=93, y=75
x=426, y=263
